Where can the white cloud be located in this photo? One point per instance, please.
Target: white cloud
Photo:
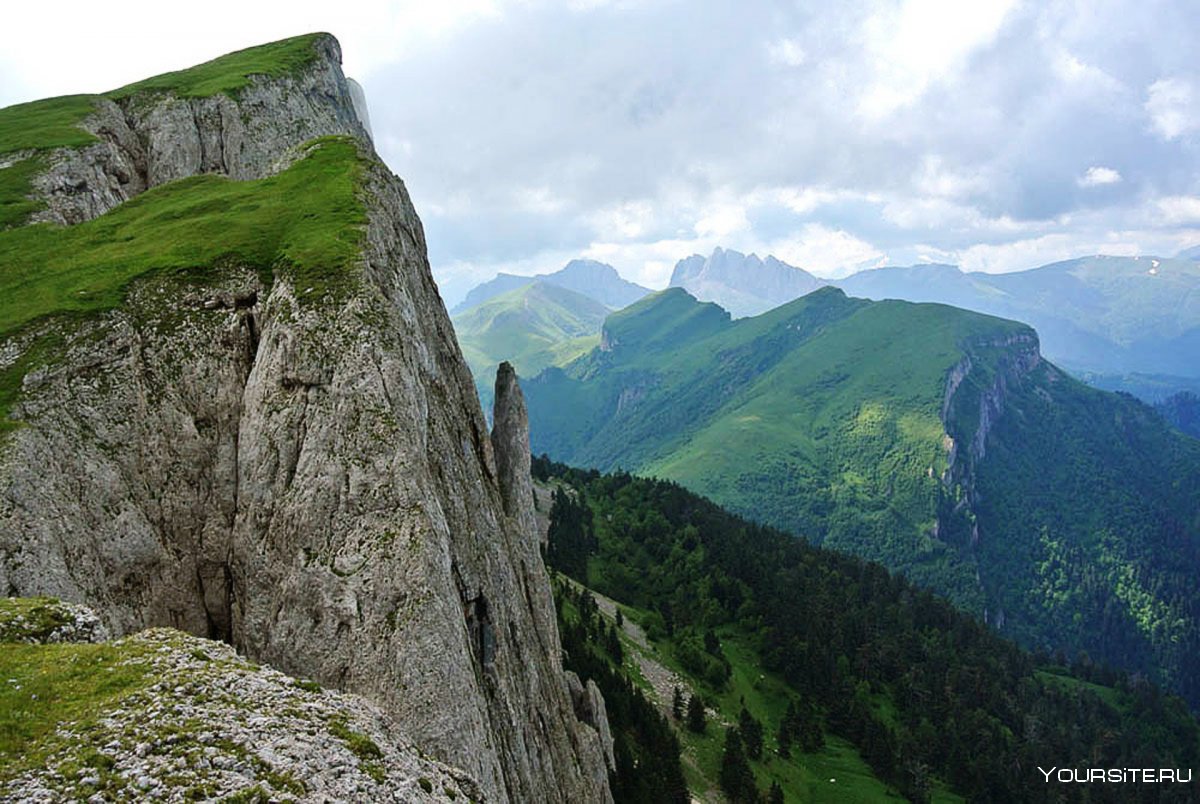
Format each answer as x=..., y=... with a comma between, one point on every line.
x=1180, y=209
x=1097, y=176
x=122, y=42
x=627, y=220
x=827, y=252
x=539, y=200
x=1020, y=255
x=935, y=179
x=1172, y=106
x=648, y=263
x=1072, y=70
x=787, y=52
x=722, y=220
x=922, y=41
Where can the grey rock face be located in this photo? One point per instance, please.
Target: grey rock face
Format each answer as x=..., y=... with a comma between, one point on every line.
x=313, y=482
x=1019, y=355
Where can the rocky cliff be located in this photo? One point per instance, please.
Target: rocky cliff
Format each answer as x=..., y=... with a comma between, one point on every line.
x=305, y=475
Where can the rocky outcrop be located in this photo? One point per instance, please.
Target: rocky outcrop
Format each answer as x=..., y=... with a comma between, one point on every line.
x=975, y=395
x=147, y=139
x=1009, y=360
x=310, y=482
x=47, y=621
x=194, y=721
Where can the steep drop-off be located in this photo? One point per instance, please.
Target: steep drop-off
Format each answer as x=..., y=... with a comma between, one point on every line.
x=269, y=436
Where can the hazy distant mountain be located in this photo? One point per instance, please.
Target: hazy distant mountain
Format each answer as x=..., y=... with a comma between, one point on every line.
x=532, y=326
x=1109, y=315
x=743, y=284
x=1192, y=253
x=596, y=280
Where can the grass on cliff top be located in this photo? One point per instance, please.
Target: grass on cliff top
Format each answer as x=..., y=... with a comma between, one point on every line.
x=45, y=124
x=306, y=220
x=43, y=686
x=231, y=72
x=54, y=122
x=30, y=617
x=307, y=216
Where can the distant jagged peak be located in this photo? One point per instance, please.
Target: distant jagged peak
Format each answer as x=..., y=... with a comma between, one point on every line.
x=744, y=284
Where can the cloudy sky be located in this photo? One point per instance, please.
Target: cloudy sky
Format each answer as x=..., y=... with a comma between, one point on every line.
x=994, y=134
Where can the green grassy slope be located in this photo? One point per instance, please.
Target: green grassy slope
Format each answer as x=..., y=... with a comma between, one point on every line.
x=824, y=417
x=821, y=416
x=54, y=122
x=532, y=327
x=306, y=220
x=908, y=696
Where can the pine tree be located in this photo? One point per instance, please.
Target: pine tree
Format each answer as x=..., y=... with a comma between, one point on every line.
x=776, y=794
x=737, y=780
x=752, y=734
x=695, y=715
x=677, y=703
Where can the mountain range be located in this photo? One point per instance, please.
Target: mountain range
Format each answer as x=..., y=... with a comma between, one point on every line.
x=260, y=542
x=1120, y=323
x=935, y=440
x=1107, y=315
x=596, y=280
x=535, y=325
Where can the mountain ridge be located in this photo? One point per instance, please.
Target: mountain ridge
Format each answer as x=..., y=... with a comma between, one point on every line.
x=535, y=325
x=596, y=280
x=1109, y=315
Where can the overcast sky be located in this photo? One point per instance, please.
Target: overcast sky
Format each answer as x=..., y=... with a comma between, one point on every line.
x=993, y=134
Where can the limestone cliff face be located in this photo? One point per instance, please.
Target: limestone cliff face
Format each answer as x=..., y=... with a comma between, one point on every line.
x=975, y=395
x=313, y=483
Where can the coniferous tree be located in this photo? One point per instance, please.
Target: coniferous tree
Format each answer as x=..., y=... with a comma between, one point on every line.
x=696, y=719
x=677, y=703
x=776, y=794
x=752, y=734
x=737, y=780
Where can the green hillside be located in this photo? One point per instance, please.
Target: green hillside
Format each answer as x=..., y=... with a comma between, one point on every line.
x=841, y=682
x=1070, y=522
x=532, y=327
